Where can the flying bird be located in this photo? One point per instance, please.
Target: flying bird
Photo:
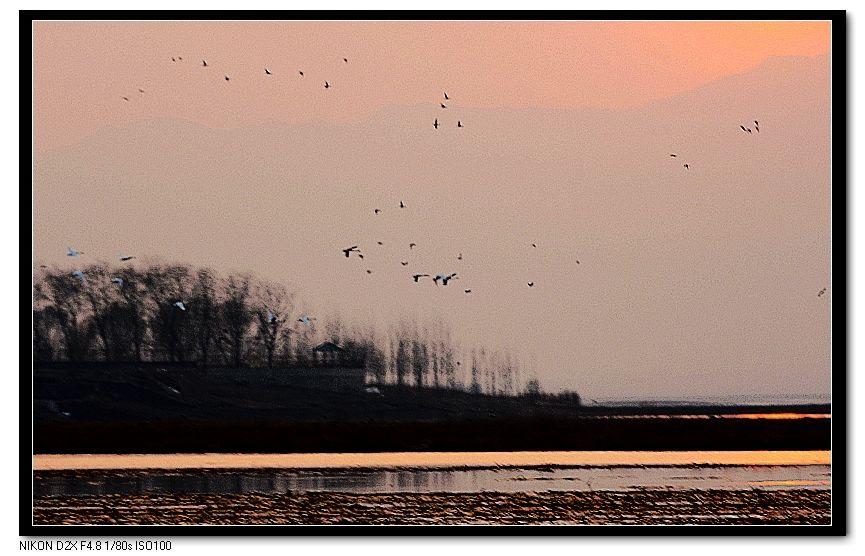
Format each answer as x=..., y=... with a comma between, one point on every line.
x=72, y=252
x=117, y=280
x=412, y=245
x=534, y=245
x=460, y=257
x=686, y=166
x=459, y=123
x=404, y=263
x=673, y=155
x=368, y=271
x=326, y=85
x=419, y=276
x=468, y=291
x=267, y=71
x=380, y=243
x=345, y=60
x=172, y=59
x=442, y=105
x=350, y=249
x=126, y=257
x=377, y=211
x=401, y=205
x=125, y=98
x=301, y=73
x=204, y=63
x=451, y=277
x=436, y=123
x=141, y=91
x=821, y=292
x=447, y=97
x=531, y=284
x=227, y=78
x=757, y=125
x=180, y=305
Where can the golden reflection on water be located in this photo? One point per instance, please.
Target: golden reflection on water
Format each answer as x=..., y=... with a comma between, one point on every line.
x=45, y=462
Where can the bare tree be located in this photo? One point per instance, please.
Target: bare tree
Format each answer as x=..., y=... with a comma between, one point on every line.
x=66, y=307
x=236, y=315
x=166, y=286
x=203, y=313
x=273, y=308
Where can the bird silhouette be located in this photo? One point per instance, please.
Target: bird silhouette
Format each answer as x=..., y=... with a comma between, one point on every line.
x=821, y=292
x=141, y=91
x=447, y=97
x=326, y=85
x=72, y=252
x=180, y=58
x=442, y=105
x=172, y=59
x=267, y=71
x=534, y=245
x=301, y=73
x=401, y=205
x=404, y=263
x=459, y=123
x=377, y=211
x=757, y=125
x=180, y=305
x=126, y=257
x=417, y=277
x=436, y=123
x=437, y=278
x=349, y=250
x=345, y=60
x=125, y=98
x=380, y=243
x=686, y=166
x=743, y=128
x=468, y=291
x=204, y=63
x=412, y=245
x=445, y=279
x=578, y=261
x=673, y=155
x=460, y=257
x=531, y=284
x=227, y=78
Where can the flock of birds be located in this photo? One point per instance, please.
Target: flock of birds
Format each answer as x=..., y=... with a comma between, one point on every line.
x=443, y=278
x=744, y=130
x=327, y=85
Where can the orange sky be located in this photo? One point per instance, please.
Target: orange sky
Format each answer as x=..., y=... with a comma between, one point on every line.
x=699, y=281
x=81, y=70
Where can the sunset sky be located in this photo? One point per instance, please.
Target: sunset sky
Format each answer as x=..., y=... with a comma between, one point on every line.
x=691, y=282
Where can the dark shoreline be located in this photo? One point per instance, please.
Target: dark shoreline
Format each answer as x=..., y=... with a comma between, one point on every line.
x=526, y=434
x=643, y=507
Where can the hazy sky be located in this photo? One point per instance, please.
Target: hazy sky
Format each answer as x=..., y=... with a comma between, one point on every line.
x=691, y=282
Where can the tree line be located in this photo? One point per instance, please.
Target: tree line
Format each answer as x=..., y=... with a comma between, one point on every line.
x=178, y=313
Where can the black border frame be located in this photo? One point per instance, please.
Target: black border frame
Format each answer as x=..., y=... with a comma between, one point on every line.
x=839, y=163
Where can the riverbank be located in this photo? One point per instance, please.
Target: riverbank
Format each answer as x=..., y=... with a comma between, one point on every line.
x=646, y=507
